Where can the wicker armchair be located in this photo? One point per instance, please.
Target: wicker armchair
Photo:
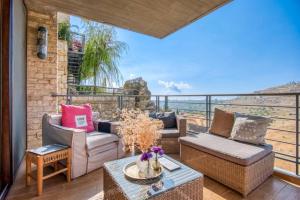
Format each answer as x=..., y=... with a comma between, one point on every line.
x=89, y=150
x=170, y=136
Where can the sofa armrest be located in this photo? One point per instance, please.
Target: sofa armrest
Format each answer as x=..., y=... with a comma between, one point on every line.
x=114, y=128
x=75, y=138
x=181, y=125
x=62, y=135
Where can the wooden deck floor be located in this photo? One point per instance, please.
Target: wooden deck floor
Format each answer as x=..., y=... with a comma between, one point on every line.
x=91, y=187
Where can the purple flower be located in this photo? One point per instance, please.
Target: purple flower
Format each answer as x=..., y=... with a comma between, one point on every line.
x=157, y=150
x=146, y=156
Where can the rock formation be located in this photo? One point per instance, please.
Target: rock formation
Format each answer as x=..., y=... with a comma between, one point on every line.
x=138, y=87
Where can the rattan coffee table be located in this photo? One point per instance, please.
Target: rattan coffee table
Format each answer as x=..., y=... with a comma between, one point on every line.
x=183, y=183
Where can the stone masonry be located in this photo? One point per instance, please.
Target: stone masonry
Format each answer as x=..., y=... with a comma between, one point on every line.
x=49, y=76
x=62, y=69
x=41, y=75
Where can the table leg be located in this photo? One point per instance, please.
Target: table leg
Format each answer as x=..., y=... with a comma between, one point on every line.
x=28, y=169
x=55, y=165
x=69, y=165
x=40, y=169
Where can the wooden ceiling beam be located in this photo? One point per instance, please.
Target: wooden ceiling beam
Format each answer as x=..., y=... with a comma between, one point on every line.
x=157, y=18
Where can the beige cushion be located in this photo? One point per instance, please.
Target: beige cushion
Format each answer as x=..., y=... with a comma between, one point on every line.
x=222, y=123
x=250, y=129
x=237, y=152
x=103, y=148
x=169, y=133
x=96, y=139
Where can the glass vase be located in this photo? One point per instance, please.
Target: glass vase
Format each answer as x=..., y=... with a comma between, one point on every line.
x=144, y=167
x=156, y=166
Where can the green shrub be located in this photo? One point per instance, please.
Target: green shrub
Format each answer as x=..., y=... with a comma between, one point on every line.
x=64, y=32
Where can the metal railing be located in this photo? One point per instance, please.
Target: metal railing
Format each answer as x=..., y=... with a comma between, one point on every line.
x=282, y=108
x=92, y=90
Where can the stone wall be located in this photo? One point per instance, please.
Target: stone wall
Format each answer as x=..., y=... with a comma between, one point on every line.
x=107, y=106
x=62, y=17
x=41, y=75
x=49, y=76
x=62, y=66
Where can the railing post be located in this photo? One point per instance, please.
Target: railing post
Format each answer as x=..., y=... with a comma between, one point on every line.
x=158, y=104
x=206, y=112
x=297, y=134
x=69, y=96
x=121, y=102
x=209, y=111
x=166, y=103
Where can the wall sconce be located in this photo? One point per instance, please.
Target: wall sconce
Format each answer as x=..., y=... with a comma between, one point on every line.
x=42, y=42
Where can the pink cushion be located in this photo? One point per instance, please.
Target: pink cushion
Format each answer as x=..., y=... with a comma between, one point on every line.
x=79, y=117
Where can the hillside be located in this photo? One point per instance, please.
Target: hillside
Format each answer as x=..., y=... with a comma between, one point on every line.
x=272, y=100
x=289, y=87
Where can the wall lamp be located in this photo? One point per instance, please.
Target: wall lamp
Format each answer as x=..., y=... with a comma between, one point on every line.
x=42, y=42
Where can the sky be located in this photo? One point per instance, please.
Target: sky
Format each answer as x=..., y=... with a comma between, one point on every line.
x=244, y=46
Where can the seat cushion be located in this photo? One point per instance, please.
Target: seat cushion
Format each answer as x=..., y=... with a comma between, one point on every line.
x=237, y=152
x=169, y=133
x=100, y=149
x=96, y=139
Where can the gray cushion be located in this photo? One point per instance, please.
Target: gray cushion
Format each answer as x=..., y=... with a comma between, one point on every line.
x=250, y=129
x=103, y=148
x=168, y=118
x=237, y=152
x=96, y=139
x=169, y=133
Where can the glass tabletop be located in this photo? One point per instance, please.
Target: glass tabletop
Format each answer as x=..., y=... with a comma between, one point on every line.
x=48, y=149
x=135, y=190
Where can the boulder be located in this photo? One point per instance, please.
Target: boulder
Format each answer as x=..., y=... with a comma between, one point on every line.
x=138, y=87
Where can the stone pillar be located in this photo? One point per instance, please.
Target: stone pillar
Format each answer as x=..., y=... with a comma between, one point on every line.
x=41, y=75
x=62, y=69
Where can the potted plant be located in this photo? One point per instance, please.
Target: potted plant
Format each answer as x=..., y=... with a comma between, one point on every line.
x=140, y=131
x=64, y=32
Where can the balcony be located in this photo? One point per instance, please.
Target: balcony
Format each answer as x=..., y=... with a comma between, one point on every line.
x=31, y=87
x=282, y=108
x=91, y=187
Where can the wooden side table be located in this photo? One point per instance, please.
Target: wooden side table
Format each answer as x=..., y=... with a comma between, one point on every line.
x=45, y=156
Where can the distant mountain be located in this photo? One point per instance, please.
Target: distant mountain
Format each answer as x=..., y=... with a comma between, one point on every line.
x=257, y=105
x=289, y=87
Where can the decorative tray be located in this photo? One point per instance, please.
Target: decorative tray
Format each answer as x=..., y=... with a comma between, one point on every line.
x=132, y=171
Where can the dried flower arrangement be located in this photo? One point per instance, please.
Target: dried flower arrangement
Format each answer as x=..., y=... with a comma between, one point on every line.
x=138, y=129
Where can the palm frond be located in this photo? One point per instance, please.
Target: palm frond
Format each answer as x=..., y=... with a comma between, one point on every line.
x=102, y=54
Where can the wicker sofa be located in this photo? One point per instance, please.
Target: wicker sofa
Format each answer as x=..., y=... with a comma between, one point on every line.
x=240, y=166
x=89, y=150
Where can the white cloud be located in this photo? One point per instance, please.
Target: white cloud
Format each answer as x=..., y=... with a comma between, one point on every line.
x=171, y=85
x=132, y=76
